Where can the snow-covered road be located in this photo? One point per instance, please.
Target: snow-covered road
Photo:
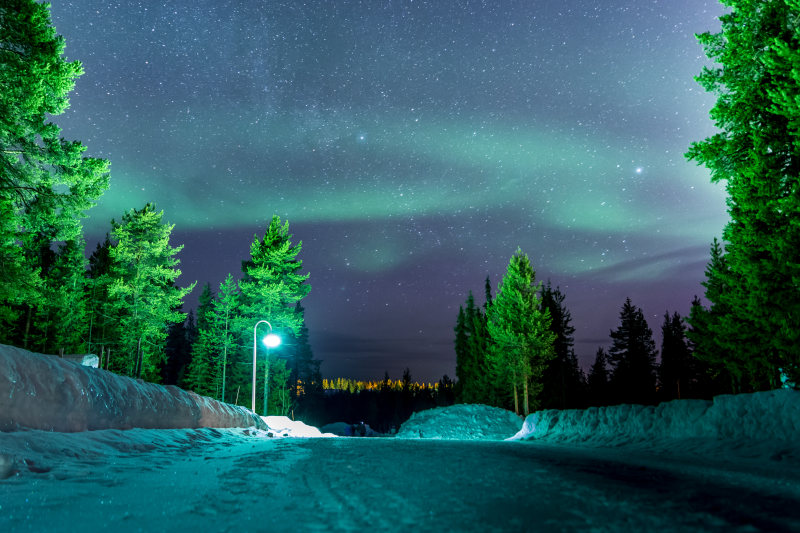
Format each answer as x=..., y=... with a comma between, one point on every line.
x=238, y=480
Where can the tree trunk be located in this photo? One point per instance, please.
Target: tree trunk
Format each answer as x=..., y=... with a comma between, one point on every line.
x=138, y=371
x=516, y=400
x=27, y=326
x=525, y=396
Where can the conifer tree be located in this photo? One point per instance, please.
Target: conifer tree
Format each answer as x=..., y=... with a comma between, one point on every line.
x=216, y=344
x=271, y=286
x=563, y=380
x=103, y=334
x=597, y=380
x=676, y=373
x=67, y=304
x=46, y=184
x=522, y=342
x=204, y=303
x=757, y=155
x=142, y=289
x=632, y=357
x=472, y=341
x=306, y=379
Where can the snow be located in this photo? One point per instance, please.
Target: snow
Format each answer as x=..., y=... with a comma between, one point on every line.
x=50, y=393
x=462, y=422
x=763, y=423
x=284, y=427
x=728, y=464
x=764, y=416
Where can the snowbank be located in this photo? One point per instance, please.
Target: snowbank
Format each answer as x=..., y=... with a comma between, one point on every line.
x=283, y=426
x=772, y=416
x=463, y=422
x=49, y=393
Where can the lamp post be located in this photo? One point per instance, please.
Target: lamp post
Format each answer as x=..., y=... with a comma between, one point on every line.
x=270, y=341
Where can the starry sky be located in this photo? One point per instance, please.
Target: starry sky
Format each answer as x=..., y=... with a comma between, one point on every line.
x=412, y=146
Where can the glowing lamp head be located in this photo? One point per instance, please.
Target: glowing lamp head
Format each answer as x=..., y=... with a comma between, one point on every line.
x=271, y=340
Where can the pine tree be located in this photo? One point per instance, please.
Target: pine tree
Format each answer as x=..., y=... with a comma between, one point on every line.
x=597, y=381
x=204, y=303
x=216, y=344
x=103, y=334
x=272, y=284
x=756, y=153
x=472, y=340
x=522, y=342
x=632, y=357
x=676, y=374
x=46, y=184
x=67, y=303
x=563, y=380
x=142, y=289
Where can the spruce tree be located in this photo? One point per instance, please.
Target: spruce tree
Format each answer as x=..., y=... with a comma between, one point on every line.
x=214, y=350
x=597, y=381
x=204, y=303
x=67, y=302
x=632, y=358
x=563, y=380
x=522, y=342
x=103, y=334
x=142, y=289
x=676, y=374
x=757, y=155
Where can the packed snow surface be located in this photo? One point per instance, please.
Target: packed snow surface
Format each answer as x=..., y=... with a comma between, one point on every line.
x=463, y=422
x=283, y=426
x=50, y=393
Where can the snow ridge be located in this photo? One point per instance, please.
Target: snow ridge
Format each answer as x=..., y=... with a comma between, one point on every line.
x=761, y=416
x=462, y=422
x=53, y=394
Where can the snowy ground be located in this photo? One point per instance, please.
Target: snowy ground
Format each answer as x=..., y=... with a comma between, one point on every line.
x=727, y=465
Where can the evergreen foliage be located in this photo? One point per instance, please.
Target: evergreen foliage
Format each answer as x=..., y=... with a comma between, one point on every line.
x=142, y=291
x=305, y=374
x=66, y=305
x=755, y=318
x=522, y=342
x=597, y=381
x=677, y=375
x=216, y=341
x=270, y=288
x=46, y=184
x=632, y=358
x=563, y=379
x=103, y=336
x=472, y=344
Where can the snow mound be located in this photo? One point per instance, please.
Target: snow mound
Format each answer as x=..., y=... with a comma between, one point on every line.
x=771, y=416
x=283, y=426
x=49, y=393
x=462, y=422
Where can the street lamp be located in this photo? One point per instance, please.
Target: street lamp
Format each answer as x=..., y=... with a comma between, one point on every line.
x=270, y=341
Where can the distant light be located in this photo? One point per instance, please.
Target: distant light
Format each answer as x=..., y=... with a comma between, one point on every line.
x=639, y=170
x=271, y=340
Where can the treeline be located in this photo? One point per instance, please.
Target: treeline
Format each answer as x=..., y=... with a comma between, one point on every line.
x=124, y=303
x=630, y=370
x=748, y=337
x=354, y=385
x=383, y=405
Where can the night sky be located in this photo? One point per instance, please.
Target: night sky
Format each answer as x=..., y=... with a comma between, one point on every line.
x=413, y=146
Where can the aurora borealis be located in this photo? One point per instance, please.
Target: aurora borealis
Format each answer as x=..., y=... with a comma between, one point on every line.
x=412, y=146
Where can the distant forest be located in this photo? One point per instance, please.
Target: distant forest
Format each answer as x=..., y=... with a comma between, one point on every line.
x=515, y=350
